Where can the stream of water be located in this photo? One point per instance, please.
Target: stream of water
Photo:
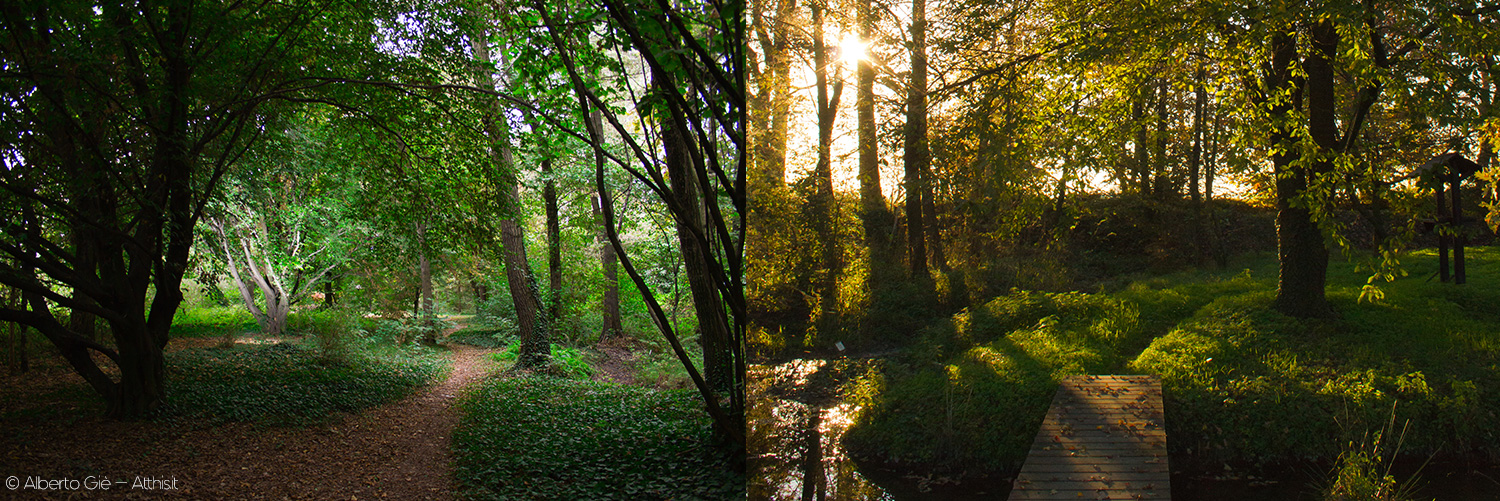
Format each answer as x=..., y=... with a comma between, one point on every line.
x=796, y=429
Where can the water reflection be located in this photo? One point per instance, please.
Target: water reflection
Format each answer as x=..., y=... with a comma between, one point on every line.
x=796, y=429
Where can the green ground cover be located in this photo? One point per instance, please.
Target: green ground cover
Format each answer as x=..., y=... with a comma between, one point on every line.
x=211, y=321
x=539, y=437
x=1243, y=383
x=288, y=384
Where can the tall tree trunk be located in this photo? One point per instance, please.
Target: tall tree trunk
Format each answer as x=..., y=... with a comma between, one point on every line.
x=535, y=338
x=713, y=323
x=610, y=307
x=424, y=266
x=873, y=211
x=16, y=359
x=1163, y=182
x=939, y=259
x=822, y=201
x=554, y=244
x=330, y=292
x=1195, y=164
x=1303, y=257
x=424, y=311
x=772, y=108
x=1142, y=155
x=608, y=261
x=916, y=152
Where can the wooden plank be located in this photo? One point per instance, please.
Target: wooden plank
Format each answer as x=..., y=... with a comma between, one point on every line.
x=1089, y=476
x=1086, y=457
x=1092, y=485
x=1102, y=438
x=1103, y=467
x=1055, y=494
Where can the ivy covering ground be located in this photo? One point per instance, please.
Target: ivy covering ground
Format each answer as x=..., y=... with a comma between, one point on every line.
x=535, y=437
x=285, y=384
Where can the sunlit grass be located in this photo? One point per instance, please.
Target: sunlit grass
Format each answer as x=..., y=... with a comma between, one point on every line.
x=1243, y=383
x=211, y=321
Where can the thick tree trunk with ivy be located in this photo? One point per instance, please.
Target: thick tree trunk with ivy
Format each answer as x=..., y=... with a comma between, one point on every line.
x=535, y=349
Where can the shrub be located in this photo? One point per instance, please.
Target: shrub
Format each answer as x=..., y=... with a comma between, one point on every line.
x=566, y=359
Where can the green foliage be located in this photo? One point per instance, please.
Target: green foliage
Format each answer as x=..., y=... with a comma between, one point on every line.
x=331, y=329
x=546, y=438
x=569, y=360
x=211, y=321
x=283, y=384
x=662, y=369
x=482, y=337
x=1362, y=474
x=1233, y=369
x=497, y=314
x=404, y=330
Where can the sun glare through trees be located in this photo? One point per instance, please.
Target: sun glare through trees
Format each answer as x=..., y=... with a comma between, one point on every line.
x=959, y=209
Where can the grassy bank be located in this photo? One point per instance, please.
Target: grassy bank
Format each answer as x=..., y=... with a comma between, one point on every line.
x=1243, y=383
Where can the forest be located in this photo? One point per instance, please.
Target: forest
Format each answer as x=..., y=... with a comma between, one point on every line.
x=1285, y=212
x=414, y=249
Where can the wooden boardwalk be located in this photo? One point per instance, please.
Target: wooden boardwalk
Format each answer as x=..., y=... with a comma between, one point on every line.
x=1103, y=438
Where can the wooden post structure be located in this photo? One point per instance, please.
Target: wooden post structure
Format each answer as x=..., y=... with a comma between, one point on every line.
x=1455, y=176
x=1446, y=173
x=1442, y=239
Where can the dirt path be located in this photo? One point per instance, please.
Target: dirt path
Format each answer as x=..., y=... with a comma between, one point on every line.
x=396, y=451
x=613, y=366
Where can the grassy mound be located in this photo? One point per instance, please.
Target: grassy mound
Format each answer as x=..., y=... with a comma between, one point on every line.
x=284, y=384
x=549, y=438
x=1243, y=383
x=1246, y=384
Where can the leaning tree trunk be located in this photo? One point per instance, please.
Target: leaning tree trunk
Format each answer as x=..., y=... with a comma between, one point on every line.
x=535, y=339
x=713, y=325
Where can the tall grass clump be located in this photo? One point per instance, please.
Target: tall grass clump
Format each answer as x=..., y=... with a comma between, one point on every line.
x=1363, y=472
